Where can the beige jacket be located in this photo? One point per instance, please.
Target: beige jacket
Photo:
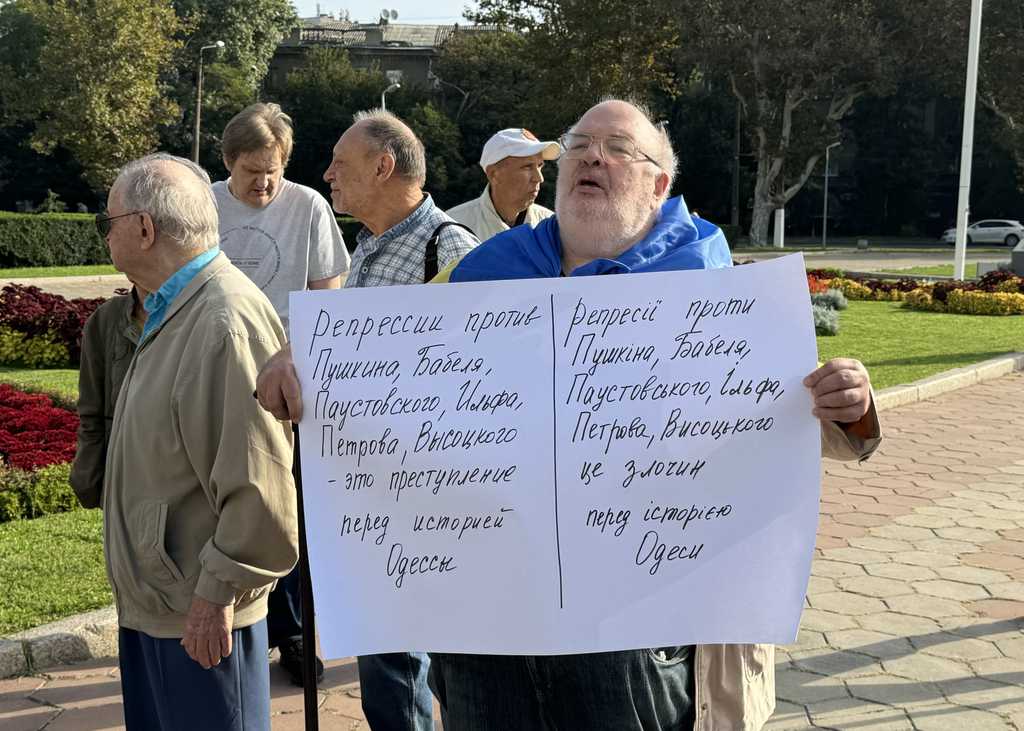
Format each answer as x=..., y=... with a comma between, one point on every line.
x=479, y=215
x=198, y=497
x=735, y=684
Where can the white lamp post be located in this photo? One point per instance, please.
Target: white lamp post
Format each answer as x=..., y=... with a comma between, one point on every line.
x=199, y=98
x=387, y=91
x=824, y=213
x=963, y=207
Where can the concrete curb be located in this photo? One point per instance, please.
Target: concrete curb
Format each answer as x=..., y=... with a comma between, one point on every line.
x=93, y=635
x=87, y=636
x=928, y=388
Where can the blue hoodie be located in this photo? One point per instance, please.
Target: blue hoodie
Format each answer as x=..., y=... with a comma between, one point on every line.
x=677, y=241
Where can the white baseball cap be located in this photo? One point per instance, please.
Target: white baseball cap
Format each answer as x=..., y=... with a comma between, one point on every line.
x=516, y=142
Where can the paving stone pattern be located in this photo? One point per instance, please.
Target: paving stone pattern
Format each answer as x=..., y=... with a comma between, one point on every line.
x=915, y=608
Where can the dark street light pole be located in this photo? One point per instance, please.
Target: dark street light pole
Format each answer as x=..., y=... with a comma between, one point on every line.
x=824, y=213
x=199, y=98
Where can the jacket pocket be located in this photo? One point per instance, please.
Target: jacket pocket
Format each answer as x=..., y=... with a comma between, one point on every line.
x=156, y=562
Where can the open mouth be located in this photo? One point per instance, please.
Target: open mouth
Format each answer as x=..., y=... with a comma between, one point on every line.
x=587, y=183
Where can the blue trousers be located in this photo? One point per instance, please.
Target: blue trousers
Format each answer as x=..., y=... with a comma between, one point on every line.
x=284, y=610
x=166, y=690
x=636, y=690
x=396, y=696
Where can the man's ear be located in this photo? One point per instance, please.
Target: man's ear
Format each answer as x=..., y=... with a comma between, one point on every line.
x=661, y=183
x=147, y=230
x=385, y=167
x=227, y=165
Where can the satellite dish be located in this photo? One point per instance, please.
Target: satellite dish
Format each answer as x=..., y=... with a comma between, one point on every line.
x=394, y=15
x=384, y=14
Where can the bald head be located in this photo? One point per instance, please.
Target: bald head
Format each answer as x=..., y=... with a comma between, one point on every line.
x=176, y=194
x=633, y=120
x=383, y=132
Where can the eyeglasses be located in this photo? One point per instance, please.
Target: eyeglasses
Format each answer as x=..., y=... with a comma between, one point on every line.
x=575, y=146
x=103, y=224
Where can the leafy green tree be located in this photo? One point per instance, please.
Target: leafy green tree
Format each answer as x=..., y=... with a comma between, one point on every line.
x=440, y=136
x=578, y=51
x=93, y=87
x=321, y=96
x=797, y=70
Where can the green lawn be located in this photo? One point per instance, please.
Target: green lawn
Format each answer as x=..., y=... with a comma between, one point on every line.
x=59, y=382
x=77, y=271
x=52, y=567
x=900, y=346
x=939, y=270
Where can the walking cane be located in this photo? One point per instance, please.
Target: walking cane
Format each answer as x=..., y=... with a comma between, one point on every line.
x=306, y=597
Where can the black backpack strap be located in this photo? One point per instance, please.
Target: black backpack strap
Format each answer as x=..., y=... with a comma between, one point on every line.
x=430, y=254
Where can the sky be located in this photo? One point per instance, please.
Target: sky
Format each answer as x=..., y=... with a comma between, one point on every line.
x=437, y=11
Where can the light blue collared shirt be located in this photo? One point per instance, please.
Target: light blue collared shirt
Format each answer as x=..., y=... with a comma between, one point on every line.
x=156, y=303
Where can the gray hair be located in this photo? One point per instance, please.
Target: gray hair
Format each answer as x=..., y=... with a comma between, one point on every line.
x=393, y=136
x=185, y=214
x=664, y=154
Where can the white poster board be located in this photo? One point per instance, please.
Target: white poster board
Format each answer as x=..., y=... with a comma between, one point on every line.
x=559, y=465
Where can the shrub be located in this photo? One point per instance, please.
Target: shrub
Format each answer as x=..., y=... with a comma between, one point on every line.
x=826, y=320
x=1000, y=280
x=921, y=299
x=36, y=313
x=50, y=239
x=833, y=299
x=41, y=351
x=826, y=273
x=853, y=290
x=815, y=285
x=984, y=303
x=25, y=494
x=33, y=432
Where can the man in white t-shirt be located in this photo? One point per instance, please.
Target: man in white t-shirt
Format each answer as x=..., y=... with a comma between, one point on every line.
x=285, y=238
x=282, y=235
x=512, y=160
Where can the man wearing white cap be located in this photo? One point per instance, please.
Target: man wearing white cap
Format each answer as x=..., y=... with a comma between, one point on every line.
x=512, y=160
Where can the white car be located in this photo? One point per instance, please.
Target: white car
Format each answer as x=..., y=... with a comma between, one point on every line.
x=990, y=231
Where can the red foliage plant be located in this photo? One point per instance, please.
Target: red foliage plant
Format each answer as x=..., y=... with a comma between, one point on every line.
x=33, y=432
x=816, y=285
x=34, y=312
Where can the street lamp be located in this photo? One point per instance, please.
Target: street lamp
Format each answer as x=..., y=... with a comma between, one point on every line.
x=387, y=91
x=963, y=205
x=199, y=98
x=824, y=213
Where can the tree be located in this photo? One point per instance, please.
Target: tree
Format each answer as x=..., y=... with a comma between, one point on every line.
x=580, y=50
x=93, y=84
x=440, y=138
x=796, y=69
x=250, y=29
x=321, y=97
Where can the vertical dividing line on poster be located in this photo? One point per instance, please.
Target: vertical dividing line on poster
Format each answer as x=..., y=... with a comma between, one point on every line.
x=554, y=449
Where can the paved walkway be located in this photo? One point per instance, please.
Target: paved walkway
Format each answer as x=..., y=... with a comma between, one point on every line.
x=97, y=285
x=915, y=610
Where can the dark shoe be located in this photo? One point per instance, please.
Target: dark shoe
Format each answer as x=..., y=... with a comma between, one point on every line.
x=291, y=661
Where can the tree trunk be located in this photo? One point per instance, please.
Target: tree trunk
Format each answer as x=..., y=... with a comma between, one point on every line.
x=760, y=221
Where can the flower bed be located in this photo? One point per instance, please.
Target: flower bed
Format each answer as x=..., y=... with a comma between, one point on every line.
x=39, y=329
x=37, y=443
x=996, y=293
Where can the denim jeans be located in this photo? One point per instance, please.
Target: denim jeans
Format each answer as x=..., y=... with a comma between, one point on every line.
x=395, y=693
x=637, y=689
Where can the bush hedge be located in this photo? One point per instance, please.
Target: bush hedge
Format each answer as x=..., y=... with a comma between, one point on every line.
x=44, y=321
x=25, y=494
x=50, y=239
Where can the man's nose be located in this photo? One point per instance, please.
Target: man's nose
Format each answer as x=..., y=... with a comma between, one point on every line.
x=328, y=175
x=538, y=176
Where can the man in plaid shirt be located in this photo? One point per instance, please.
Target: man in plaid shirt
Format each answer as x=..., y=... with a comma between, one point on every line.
x=377, y=175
